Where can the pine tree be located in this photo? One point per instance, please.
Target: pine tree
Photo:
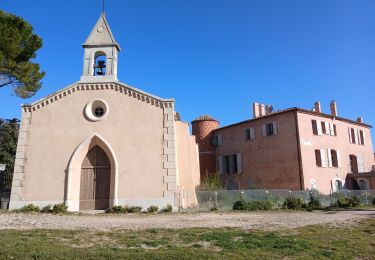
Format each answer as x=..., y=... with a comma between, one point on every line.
x=18, y=46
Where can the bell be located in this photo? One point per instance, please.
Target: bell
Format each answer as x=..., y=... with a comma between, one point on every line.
x=100, y=66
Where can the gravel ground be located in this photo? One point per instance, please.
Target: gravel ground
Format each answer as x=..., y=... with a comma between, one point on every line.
x=247, y=220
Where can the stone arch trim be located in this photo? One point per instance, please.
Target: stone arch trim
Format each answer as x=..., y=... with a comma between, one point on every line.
x=74, y=168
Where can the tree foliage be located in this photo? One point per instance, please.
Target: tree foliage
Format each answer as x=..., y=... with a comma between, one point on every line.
x=18, y=46
x=8, y=146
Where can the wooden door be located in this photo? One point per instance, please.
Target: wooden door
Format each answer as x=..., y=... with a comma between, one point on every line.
x=95, y=180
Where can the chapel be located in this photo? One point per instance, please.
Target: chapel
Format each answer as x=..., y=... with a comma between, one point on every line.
x=98, y=142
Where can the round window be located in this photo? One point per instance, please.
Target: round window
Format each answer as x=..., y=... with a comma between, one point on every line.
x=96, y=110
x=99, y=112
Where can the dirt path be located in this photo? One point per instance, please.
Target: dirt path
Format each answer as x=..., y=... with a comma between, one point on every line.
x=261, y=220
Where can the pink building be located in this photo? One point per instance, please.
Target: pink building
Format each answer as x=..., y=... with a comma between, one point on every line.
x=293, y=149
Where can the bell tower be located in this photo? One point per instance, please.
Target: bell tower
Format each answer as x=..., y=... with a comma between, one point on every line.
x=100, y=54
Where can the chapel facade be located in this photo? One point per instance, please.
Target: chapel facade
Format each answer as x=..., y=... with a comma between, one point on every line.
x=100, y=142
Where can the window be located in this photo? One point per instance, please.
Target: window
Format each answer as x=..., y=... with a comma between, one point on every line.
x=314, y=127
x=270, y=129
x=250, y=133
x=99, y=111
x=318, y=158
x=361, y=137
x=324, y=130
x=230, y=164
x=334, y=158
x=352, y=136
x=217, y=140
x=353, y=163
x=338, y=185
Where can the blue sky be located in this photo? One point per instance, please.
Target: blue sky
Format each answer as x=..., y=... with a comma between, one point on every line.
x=217, y=56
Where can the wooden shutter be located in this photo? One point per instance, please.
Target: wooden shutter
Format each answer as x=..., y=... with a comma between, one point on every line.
x=356, y=136
x=319, y=125
x=264, y=130
x=329, y=157
x=323, y=157
x=338, y=159
x=252, y=133
x=361, y=163
x=239, y=163
x=274, y=128
x=364, y=139
x=350, y=135
x=331, y=130
x=220, y=164
x=327, y=128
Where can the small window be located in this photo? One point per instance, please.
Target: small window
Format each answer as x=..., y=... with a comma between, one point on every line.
x=269, y=129
x=337, y=185
x=314, y=127
x=352, y=132
x=99, y=111
x=250, y=133
x=217, y=140
x=361, y=138
x=318, y=158
x=324, y=130
x=353, y=163
x=335, y=162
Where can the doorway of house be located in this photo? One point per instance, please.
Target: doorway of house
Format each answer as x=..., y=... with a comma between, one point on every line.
x=95, y=180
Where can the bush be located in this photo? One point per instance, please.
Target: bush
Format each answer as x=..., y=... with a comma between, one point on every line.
x=314, y=203
x=213, y=209
x=30, y=208
x=168, y=208
x=373, y=201
x=59, y=208
x=116, y=209
x=293, y=203
x=239, y=205
x=46, y=209
x=347, y=202
x=134, y=209
x=252, y=205
x=153, y=209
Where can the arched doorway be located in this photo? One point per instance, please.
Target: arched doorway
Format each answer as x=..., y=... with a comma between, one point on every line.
x=95, y=180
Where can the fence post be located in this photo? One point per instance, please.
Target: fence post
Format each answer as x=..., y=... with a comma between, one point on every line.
x=290, y=193
x=330, y=195
x=267, y=194
x=367, y=203
x=215, y=194
x=242, y=195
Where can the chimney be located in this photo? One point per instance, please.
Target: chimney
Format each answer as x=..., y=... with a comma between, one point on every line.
x=317, y=107
x=262, y=110
x=360, y=119
x=268, y=109
x=255, y=110
x=333, y=107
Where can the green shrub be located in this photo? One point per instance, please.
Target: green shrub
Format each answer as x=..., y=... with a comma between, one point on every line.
x=373, y=201
x=168, y=208
x=153, y=209
x=293, y=203
x=252, y=205
x=30, y=208
x=46, y=209
x=239, y=205
x=347, y=202
x=134, y=209
x=314, y=203
x=213, y=209
x=116, y=209
x=59, y=208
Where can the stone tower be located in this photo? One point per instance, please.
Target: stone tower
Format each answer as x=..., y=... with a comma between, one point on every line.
x=202, y=128
x=100, y=54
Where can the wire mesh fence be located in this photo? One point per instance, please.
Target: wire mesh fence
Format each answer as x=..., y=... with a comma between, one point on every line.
x=224, y=199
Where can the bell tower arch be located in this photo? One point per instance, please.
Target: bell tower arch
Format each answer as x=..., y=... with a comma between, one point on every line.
x=100, y=54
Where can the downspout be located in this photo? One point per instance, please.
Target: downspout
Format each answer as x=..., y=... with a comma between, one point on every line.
x=301, y=179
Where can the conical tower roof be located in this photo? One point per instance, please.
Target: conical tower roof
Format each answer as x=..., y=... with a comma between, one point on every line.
x=101, y=35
